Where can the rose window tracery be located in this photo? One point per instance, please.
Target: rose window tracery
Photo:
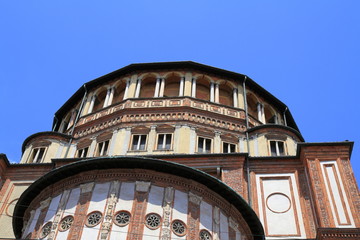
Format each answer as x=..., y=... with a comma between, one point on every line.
x=153, y=220
x=66, y=223
x=178, y=227
x=93, y=219
x=122, y=218
x=205, y=235
x=46, y=230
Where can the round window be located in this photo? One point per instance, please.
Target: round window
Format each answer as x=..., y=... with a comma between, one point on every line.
x=153, y=220
x=178, y=227
x=205, y=235
x=93, y=219
x=66, y=223
x=122, y=218
x=46, y=230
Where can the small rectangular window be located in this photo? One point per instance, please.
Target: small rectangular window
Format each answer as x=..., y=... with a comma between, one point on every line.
x=37, y=155
x=204, y=145
x=138, y=142
x=81, y=153
x=164, y=142
x=277, y=148
x=102, y=148
x=229, y=147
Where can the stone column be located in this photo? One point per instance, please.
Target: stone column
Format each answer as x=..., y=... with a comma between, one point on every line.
x=107, y=97
x=212, y=92
x=216, y=92
x=92, y=102
x=157, y=87
x=193, y=88
x=111, y=96
x=126, y=90
x=162, y=87
x=181, y=88
x=138, y=86
x=235, y=97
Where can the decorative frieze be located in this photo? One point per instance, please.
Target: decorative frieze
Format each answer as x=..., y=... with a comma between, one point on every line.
x=319, y=194
x=123, y=116
x=109, y=209
x=167, y=207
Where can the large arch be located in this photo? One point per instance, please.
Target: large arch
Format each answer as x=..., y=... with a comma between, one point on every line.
x=42, y=187
x=172, y=85
x=100, y=96
x=252, y=102
x=119, y=91
x=148, y=85
x=226, y=94
x=203, y=88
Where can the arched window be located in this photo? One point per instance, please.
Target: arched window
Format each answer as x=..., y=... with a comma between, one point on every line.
x=252, y=105
x=270, y=115
x=203, y=89
x=172, y=85
x=99, y=100
x=225, y=95
x=148, y=87
x=119, y=92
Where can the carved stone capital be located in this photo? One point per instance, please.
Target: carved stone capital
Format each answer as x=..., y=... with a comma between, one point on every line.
x=142, y=186
x=45, y=203
x=169, y=195
x=216, y=214
x=194, y=198
x=87, y=187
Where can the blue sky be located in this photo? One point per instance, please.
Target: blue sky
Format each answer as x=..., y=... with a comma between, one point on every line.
x=306, y=53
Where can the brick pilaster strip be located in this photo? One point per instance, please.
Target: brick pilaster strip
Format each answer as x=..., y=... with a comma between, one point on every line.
x=193, y=216
x=318, y=193
x=80, y=211
x=136, y=229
